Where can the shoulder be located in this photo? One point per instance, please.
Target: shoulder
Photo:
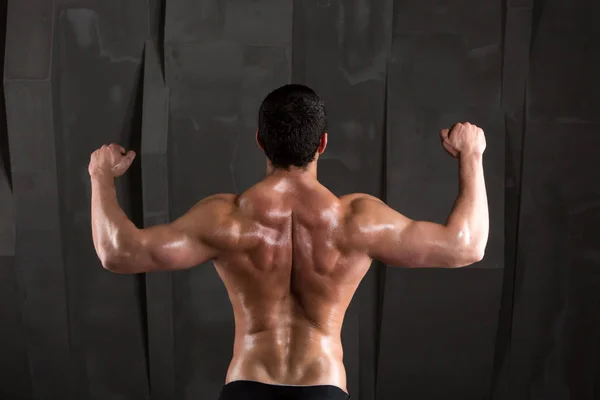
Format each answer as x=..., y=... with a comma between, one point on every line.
x=219, y=203
x=359, y=203
x=216, y=221
x=366, y=213
x=361, y=211
x=220, y=199
x=216, y=209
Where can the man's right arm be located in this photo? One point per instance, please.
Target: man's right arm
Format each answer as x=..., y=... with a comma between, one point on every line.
x=394, y=239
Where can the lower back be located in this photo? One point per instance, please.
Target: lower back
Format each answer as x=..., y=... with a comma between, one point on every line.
x=294, y=355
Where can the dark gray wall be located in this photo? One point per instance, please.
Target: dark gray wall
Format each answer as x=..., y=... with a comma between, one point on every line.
x=180, y=81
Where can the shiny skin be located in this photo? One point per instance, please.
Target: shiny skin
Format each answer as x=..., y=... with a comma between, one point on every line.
x=291, y=254
x=291, y=288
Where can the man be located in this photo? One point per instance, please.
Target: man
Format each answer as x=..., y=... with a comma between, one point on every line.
x=290, y=253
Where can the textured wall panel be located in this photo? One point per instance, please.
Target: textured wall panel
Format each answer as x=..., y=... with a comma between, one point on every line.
x=15, y=379
x=194, y=21
x=222, y=58
x=445, y=67
x=565, y=90
x=38, y=264
x=554, y=345
x=438, y=334
x=156, y=22
x=7, y=212
x=29, y=48
x=517, y=44
x=156, y=211
x=39, y=259
x=259, y=22
x=340, y=50
x=97, y=97
x=14, y=363
x=556, y=326
x=6, y=243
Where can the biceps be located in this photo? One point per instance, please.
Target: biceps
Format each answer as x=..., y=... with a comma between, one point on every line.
x=417, y=244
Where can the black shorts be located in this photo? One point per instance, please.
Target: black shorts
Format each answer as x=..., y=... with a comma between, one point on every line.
x=250, y=390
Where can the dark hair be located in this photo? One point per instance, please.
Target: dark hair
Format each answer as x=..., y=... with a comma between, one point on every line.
x=291, y=121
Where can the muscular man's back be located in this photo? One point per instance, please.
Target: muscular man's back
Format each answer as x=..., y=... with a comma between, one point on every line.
x=290, y=282
x=290, y=253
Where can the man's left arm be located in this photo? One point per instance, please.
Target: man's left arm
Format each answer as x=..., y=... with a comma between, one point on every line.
x=124, y=248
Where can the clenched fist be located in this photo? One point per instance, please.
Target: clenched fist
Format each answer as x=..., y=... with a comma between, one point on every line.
x=111, y=160
x=462, y=139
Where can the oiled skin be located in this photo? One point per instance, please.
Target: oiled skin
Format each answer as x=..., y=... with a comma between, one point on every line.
x=291, y=282
x=292, y=254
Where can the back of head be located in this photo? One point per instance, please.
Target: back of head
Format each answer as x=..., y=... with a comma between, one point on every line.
x=291, y=121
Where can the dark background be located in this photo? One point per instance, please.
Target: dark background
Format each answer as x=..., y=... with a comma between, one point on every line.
x=180, y=82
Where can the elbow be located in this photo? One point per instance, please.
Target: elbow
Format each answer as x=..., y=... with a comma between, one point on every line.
x=115, y=261
x=118, y=251
x=475, y=255
x=468, y=254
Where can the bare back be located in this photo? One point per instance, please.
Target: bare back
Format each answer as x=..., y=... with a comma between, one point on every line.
x=290, y=283
x=290, y=253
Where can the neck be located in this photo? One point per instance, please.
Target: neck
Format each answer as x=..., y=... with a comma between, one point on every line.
x=310, y=171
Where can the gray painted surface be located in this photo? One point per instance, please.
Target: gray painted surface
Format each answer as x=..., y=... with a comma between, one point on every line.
x=29, y=29
x=556, y=329
x=7, y=211
x=180, y=82
x=39, y=259
x=440, y=74
x=14, y=362
x=159, y=286
x=438, y=333
x=98, y=48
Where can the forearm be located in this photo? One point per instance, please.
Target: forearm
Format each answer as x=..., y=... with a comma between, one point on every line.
x=112, y=230
x=469, y=219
